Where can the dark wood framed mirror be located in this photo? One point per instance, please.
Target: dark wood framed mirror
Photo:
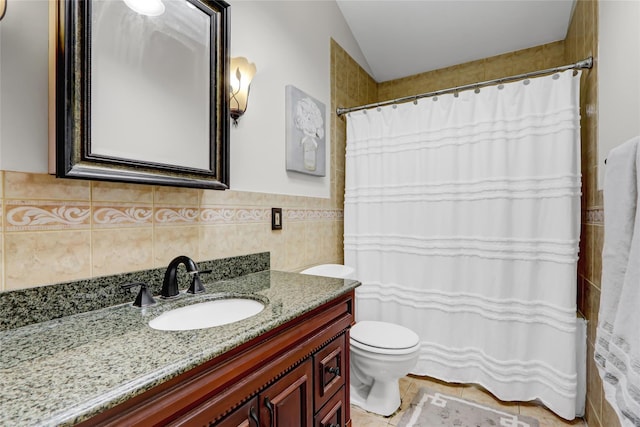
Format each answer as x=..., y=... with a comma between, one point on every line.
x=139, y=91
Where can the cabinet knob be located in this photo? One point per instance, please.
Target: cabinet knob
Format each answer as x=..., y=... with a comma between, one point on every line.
x=333, y=370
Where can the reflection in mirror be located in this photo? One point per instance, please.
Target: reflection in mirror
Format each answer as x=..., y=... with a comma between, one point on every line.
x=156, y=88
x=150, y=80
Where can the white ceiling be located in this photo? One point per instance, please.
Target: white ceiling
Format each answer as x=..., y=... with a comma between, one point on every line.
x=400, y=38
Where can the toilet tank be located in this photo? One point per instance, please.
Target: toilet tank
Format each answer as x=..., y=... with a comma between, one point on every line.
x=338, y=271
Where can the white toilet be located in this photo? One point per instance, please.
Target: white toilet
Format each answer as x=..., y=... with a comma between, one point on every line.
x=338, y=271
x=381, y=354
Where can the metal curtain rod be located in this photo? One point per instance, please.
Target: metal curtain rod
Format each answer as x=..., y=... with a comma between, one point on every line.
x=585, y=63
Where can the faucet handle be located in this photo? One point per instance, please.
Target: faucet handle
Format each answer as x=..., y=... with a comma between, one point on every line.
x=196, y=284
x=144, y=297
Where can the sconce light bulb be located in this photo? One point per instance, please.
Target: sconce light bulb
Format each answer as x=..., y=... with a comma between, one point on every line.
x=236, y=78
x=146, y=7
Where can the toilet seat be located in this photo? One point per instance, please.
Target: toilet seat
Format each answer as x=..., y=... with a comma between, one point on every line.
x=383, y=337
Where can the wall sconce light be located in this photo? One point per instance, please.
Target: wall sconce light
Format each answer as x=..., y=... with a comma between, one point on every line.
x=3, y=8
x=241, y=74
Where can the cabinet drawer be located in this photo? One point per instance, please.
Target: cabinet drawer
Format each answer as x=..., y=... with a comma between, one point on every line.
x=329, y=370
x=333, y=414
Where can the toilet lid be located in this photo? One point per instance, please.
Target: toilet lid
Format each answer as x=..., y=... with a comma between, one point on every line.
x=383, y=335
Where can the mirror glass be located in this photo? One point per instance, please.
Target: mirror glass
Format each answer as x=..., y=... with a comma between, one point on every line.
x=141, y=91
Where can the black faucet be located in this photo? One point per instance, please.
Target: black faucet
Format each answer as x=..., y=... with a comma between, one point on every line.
x=170, y=284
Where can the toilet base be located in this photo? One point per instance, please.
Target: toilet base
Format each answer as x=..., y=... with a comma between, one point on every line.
x=382, y=398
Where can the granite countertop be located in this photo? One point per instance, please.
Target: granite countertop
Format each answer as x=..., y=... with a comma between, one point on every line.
x=63, y=371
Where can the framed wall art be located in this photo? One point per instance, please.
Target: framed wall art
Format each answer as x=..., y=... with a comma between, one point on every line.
x=305, y=133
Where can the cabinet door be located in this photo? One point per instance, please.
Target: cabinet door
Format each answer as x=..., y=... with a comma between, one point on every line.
x=244, y=416
x=333, y=413
x=289, y=401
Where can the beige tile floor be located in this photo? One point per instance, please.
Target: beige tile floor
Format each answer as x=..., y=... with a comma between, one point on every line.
x=410, y=385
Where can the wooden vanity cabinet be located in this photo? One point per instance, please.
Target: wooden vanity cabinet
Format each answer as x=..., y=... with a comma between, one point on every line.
x=294, y=375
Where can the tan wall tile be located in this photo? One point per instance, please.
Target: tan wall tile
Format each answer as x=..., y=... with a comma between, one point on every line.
x=600, y=198
x=176, y=196
x=276, y=245
x=239, y=198
x=588, y=251
x=39, y=258
x=217, y=241
x=116, y=251
x=591, y=417
x=251, y=238
x=29, y=186
x=296, y=243
x=352, y=80
x=313, y=242
x=326, y=247
x=581, y=41
x=609, y=417
x=170, y=242
x=592, y=302
x=554, y=54
x=119, y=192
x=458, y=75
x=598, y=243
x=216, y=197
x=339, y=242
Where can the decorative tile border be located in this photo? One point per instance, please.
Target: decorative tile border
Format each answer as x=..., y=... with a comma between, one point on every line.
x=244, y=215
x=593, y=216
x=313, y=214
x=176, y=215
x=122, y=216
x=46, y=215
x=52, y=215
x=295, y=214
x=231, y=215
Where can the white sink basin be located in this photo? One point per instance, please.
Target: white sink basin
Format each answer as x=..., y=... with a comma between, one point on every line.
x=207, y=314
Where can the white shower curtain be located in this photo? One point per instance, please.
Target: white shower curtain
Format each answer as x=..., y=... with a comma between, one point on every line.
x=462, y=220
